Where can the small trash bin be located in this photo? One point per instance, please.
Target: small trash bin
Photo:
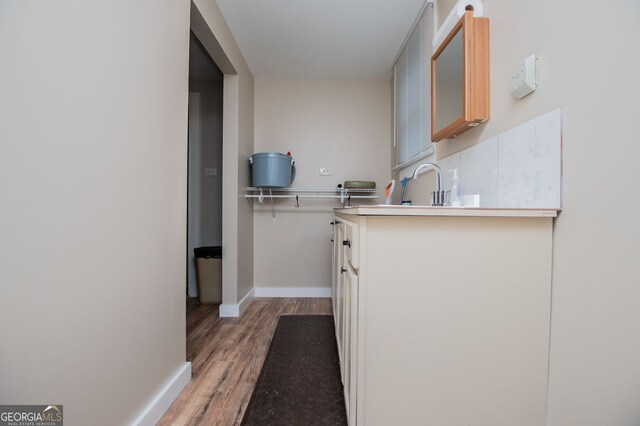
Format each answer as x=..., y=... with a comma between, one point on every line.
x=209, y=273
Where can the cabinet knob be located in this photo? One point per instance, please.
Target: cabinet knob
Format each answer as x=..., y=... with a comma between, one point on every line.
x=343, y=270
x=346, y=243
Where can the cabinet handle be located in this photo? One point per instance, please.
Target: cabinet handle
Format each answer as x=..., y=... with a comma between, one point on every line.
x=346, y=243
x=343, y=270
x=335, y=222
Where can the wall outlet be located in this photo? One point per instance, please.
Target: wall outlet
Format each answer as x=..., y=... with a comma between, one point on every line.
x=210, y=172
x=326, y=171
x=523, y=79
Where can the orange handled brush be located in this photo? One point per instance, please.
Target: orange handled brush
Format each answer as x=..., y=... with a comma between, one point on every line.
x=388, y=190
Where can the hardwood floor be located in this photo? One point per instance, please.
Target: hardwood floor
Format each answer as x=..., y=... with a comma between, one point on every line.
x=227, y=355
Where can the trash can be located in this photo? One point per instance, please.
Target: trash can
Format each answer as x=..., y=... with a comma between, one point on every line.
x=209, y=273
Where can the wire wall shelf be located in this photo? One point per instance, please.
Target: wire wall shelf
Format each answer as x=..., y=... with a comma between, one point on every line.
x=344, y=195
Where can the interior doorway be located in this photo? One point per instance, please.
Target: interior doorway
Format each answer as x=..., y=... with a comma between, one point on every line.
x=204, y=205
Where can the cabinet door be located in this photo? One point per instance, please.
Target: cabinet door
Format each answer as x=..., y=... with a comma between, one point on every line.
x=338, y=294
x=350, y=349
x=339, y=323
x=351, y=242
x=335, y=262
x=346, y=335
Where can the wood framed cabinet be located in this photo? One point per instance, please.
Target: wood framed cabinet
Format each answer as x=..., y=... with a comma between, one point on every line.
x=460, y=79
x=442, y=315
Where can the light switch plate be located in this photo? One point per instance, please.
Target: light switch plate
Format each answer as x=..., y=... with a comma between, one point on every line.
x=523, y=79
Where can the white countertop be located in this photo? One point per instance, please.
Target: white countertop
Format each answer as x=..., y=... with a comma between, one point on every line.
x=395, y=210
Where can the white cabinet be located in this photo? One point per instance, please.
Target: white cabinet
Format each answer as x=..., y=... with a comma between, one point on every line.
x=443, y=320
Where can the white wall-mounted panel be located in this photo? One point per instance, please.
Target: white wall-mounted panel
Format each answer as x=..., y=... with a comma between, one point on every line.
x=529, y=163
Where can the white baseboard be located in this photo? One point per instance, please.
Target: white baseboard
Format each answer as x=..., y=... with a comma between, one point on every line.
x=246, y=301
x=163, y=400
x=293, y=292
x=229, y=311
x=233, y=311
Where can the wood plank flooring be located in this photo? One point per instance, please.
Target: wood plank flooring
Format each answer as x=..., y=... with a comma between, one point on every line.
x=227, y=355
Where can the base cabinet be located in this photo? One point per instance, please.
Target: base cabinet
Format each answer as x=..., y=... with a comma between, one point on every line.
x=444, y=320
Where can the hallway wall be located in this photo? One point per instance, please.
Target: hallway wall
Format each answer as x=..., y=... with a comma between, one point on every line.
x=93, y=125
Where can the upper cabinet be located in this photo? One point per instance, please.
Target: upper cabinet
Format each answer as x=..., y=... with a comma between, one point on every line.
x=460, y=79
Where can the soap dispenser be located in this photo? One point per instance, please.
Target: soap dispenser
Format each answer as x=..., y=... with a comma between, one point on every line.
x=455, y=200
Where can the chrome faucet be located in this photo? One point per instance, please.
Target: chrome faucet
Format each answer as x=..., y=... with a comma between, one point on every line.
x=438, y=196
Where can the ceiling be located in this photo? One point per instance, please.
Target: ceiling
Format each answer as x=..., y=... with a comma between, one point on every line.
x=320, y=39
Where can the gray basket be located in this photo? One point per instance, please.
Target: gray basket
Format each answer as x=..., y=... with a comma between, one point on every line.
x=272, y=170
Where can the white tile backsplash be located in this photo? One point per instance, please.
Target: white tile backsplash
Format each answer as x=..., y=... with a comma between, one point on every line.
x=479, y=172
x=529, y=163
x=520, y=168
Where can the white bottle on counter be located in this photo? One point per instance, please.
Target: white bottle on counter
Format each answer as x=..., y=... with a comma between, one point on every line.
x=455, y=200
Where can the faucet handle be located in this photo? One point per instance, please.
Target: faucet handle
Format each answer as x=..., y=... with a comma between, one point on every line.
x=439, y=198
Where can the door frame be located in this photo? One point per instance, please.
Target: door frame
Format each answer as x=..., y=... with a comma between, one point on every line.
x=193, y=192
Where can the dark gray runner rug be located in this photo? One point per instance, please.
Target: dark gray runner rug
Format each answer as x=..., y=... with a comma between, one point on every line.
x=300, y=380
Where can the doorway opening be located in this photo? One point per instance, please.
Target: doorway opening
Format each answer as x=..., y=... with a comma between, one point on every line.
x=204, y=202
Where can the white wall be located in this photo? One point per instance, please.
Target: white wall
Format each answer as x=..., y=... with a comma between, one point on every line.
x=442, y=9
x=588, y=67
x=324, y=123
x=93, y=125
